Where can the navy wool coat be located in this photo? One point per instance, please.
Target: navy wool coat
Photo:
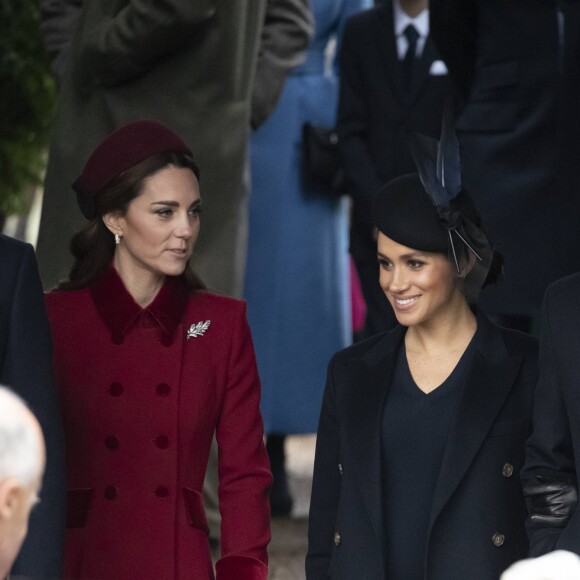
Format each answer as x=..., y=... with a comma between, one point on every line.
x=477, y=521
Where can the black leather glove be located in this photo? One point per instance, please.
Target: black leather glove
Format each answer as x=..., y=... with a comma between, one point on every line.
x=552, y=500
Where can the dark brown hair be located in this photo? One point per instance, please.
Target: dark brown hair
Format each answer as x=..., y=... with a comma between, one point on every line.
x=93, y=247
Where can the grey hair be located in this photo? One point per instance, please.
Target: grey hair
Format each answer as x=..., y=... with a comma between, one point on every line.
x=20, y=444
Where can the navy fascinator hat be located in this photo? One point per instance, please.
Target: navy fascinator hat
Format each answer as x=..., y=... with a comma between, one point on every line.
x=431, y=212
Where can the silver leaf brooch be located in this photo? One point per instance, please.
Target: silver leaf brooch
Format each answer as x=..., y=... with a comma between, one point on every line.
x=198, y=329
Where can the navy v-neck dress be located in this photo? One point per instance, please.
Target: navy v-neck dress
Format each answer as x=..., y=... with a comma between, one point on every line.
x=415, y=426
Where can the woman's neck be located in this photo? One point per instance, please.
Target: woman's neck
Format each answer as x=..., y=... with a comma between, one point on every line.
x=453, y=330
x=141, y=284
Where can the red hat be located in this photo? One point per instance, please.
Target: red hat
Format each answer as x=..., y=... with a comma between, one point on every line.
x=120, y=150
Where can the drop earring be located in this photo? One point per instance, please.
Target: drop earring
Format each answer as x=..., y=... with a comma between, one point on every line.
x=117, y=239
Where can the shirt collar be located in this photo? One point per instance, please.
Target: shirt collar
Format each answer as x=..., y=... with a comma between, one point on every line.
x=119, y=311
x=402, y=20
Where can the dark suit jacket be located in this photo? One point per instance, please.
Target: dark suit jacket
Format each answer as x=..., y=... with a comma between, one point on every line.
x=478, y=501
x=517, y=74
x=26, y=367
x=554, y=447
x=374, y=111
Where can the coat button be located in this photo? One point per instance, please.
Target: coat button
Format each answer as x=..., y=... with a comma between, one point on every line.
x=507, y=470
x=163, y=389
x=498, y=539
x=115, y=389
x=162, y=442
x=161, y=492
x=340, y=469
x=337, y=539
x=110, y=492
x=111, y=442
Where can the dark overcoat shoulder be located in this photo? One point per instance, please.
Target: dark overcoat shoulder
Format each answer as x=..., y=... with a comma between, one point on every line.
x=26, y=367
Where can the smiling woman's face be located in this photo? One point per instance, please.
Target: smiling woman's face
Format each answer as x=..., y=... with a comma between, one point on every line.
x=160, y=227
x=420, y=286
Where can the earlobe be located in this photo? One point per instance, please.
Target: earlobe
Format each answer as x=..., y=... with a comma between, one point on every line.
x=113, y=222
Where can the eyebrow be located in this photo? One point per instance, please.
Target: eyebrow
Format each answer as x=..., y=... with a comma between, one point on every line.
x=175, y=203
x=408, y=256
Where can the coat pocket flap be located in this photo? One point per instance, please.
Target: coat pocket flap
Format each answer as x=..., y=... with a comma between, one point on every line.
x=497, y=75
x=78, y=505
x=488, y=117
x=194, y=509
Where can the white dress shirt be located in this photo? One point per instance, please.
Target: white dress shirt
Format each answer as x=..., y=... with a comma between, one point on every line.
x=401, y=20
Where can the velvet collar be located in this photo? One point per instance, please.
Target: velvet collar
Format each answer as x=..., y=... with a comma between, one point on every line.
x=119, y=310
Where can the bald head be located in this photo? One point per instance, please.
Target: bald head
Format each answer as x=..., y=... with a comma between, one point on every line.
x=22, y=460
x=21, y=442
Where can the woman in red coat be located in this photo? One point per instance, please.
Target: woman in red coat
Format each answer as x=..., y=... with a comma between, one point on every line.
x=150, y=366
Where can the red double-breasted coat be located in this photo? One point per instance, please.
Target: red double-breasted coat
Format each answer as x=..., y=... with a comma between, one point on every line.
x=142, y=393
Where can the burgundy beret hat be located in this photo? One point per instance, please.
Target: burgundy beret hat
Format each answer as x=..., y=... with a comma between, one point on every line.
x=120, y=150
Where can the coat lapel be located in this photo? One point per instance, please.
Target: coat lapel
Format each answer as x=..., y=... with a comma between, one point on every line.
x=422, y=67
x=385, y=37
x=364, y=426
x=487, y=386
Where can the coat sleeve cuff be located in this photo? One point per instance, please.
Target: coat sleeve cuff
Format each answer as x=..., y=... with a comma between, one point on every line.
x=241, y=568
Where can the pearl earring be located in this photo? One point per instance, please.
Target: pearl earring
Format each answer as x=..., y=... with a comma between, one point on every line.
x=117, y=239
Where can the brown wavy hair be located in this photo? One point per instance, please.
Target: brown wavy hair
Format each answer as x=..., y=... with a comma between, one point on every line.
x=93, y=247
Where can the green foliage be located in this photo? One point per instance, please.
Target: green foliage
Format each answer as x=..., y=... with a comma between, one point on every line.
x=27, y=94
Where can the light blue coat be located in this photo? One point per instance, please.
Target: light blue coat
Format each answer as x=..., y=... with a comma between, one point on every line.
x=296, y=284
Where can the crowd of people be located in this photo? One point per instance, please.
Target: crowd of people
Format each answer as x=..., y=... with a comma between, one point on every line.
x=138, y=409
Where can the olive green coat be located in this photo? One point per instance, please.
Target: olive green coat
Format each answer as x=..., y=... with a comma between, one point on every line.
x=191, y=65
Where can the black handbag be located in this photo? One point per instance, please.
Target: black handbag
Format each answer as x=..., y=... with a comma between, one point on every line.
x=321, y=163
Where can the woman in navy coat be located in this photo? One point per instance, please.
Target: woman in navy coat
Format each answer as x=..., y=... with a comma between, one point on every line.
x=422, y=431
x=149, y=366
